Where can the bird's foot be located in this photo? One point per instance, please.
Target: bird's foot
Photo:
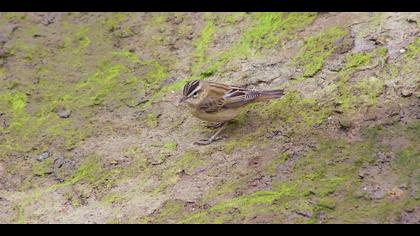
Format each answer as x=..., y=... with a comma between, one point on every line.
x=208, y=141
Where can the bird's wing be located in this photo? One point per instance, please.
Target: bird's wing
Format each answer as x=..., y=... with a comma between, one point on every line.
x=212, y=104
x=238, y=98
x=221, y=89
x=232, y=99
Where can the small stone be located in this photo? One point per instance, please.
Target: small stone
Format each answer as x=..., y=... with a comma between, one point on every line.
x=370, y=117
x=345, y=123
x=58, y=163
x=43, y=156
x=409, y=20
x=402, y=50
x=3, y=53
x=64, y=114
x=338, y=110
x=406, y=92
x=3, y=40
x=394, y=110
x=2, y=170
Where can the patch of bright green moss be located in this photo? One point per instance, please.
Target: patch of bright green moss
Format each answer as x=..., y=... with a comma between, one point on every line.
x=317, y=48
x=152, y=120
x=300, y=112
x=170, y=146
x=41, y=168
x=18, y=102
x=358, y=59
x=413, y=49
x=270, y=28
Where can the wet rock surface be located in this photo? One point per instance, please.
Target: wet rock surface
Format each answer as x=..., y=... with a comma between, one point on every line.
x=99, y=91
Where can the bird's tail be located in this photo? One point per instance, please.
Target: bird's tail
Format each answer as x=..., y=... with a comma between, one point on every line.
x=271, y=94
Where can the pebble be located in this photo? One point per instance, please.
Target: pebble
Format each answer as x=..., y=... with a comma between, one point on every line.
x=2, y=170
x=43, y=156
x=406, y=92
x=345, y=123
x=402, y=50
x=3, y=40
x=3, y=53
x=59, y=162
x=64, y=114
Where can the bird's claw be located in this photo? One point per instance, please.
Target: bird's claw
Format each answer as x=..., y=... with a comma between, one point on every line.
x=209, y=141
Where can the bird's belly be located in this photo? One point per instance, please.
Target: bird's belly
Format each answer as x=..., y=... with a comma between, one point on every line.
x=220, y=116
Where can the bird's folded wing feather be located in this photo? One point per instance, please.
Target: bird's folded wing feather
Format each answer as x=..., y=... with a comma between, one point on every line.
x=212, y=104
x=240, y=98
x=233, y=99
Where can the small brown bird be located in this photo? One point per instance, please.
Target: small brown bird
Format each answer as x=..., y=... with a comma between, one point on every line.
x=219, y=103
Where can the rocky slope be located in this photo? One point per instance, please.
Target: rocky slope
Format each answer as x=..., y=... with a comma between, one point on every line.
x=90, y=130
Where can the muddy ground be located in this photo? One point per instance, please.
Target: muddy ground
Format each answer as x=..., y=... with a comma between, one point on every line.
x=91, y=132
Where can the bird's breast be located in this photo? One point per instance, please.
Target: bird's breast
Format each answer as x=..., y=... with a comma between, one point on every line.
x=219, y=116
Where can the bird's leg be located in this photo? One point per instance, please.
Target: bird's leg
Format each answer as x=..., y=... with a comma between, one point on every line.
x=214, y=137
x=215, y=126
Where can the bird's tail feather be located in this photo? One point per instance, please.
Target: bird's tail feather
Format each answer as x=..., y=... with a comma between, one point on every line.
x=271, y=94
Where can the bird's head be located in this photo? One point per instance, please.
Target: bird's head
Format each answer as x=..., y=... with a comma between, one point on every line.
x=191, y=92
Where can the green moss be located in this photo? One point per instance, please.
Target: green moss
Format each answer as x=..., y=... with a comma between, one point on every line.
x=322, y=181
x=14, y=15
x=222, y=190
x=152, y=120
x=413, y=49
x=299, y=112
x=188, y=162
x=201, y=45
x=92, y=172
x=247, y=206
x=113, y=198
x=257, y=198
x=407, y=161
x=18, y=102
x=270, y=28
x=170, y=146
x=355, y=96
x=170, y=212
x=267, y=30
x=21, y=215
x=368, y=92
x=41, y=168
x=358, y=59
x=243, y=142
x=317, y=48
x=233, y=18
x=271, y=168
x=112, y=21
x=138, y=165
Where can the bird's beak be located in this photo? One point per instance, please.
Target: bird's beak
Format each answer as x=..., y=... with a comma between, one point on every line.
x=182, y=100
